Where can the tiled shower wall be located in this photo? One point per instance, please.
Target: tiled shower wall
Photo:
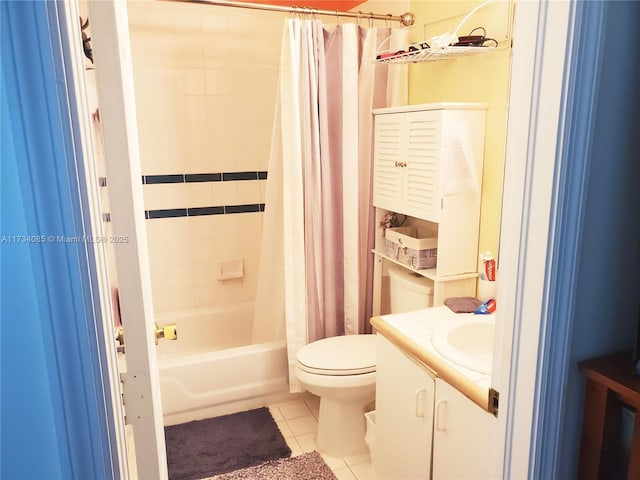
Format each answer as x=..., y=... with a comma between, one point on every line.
x=205, y=85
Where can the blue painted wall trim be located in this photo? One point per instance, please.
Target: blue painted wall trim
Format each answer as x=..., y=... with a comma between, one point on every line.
x=569, y=198
x=593, y=289
x=54, y=414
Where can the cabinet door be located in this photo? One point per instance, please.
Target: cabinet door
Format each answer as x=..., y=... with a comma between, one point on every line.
x=462, y=435
x=389, y=148
x=422, y=174
x=404, y=416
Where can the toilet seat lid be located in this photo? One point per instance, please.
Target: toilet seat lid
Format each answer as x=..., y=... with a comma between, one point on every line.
x=342, y=355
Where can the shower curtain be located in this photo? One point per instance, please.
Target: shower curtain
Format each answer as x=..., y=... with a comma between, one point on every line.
x=318, y=226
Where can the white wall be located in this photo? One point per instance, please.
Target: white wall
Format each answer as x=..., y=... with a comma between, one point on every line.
x=205, y=80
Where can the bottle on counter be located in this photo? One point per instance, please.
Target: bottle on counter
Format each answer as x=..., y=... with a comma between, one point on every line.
x=488, y=267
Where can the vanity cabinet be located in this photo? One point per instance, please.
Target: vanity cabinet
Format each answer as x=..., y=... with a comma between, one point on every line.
x=404, y=415
x=425, y=428
x=428, y=162
x=462, y=436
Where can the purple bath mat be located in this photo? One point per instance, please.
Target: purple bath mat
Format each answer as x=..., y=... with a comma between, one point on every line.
x=309, y=466
x=209, y=447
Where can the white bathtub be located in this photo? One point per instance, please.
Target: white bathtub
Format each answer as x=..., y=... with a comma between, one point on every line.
x=212, y=369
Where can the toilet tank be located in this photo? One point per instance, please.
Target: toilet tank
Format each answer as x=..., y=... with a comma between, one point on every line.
x=408, y=290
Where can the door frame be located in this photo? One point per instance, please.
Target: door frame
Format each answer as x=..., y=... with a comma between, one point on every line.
x=536, y=113
x=68, y=14
x=139, y=384
x=541, y=46
x=551, y=126
x=539, y=103
x=61, y=400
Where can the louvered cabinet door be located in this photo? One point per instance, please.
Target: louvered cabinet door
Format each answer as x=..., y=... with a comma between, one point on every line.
x=421, y=172
x=389, y=153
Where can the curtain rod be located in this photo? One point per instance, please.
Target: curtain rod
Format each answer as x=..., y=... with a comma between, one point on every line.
x=406, y=19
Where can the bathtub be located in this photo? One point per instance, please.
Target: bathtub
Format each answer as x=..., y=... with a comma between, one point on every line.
x=213, y=369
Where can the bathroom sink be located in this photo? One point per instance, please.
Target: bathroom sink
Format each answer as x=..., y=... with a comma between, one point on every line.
x=469, y=344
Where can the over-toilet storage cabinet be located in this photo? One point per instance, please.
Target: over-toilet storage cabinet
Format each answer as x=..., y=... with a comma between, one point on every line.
x=425, y=428
x=428, y=163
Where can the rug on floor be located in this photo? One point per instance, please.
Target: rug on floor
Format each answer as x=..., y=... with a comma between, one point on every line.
x=204, y=448
x=309, y=466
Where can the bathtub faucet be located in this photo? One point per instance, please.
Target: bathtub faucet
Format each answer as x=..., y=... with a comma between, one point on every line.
x=168, y=331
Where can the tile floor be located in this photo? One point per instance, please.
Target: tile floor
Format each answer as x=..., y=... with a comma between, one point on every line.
x=298, y=422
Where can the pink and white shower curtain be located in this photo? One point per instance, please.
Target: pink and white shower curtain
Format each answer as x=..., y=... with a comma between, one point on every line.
x=318, y=227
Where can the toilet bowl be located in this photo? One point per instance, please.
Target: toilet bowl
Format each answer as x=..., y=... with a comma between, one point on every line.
x=342, y=372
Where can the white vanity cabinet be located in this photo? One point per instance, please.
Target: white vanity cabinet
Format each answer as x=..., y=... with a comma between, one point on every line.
x=404, y=416
x=428, y=162
x=425, y=428
x=463, y=435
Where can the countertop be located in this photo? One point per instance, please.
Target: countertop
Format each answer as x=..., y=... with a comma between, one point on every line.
x=412, y=333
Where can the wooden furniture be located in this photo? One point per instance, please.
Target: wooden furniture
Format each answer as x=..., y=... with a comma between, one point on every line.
x=610, y=385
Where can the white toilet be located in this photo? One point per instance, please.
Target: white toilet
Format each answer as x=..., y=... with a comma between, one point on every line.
x=408, y=291
x=342, y=372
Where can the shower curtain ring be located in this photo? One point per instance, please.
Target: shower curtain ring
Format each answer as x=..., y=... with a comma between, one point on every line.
x=370, y=19
x=388, y=20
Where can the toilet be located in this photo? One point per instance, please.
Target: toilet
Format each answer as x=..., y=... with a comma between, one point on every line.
x=408, y=291
x=342, y=372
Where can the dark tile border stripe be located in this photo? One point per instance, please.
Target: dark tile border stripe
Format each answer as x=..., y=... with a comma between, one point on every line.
x=255, y=207
x=230, y=176
x=199, y=211
x=155, y=179
x=203, y=177
x=169, y=213
x=193, y=212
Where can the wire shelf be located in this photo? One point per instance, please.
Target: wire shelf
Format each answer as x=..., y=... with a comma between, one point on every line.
x=434, y=54
x=443, y=47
